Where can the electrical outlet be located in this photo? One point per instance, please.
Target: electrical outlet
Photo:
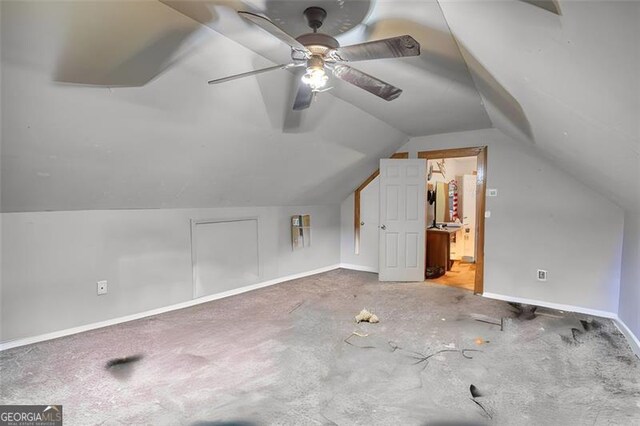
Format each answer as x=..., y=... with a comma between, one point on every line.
x=102, y=288
x=542, y=275
x=492, y=192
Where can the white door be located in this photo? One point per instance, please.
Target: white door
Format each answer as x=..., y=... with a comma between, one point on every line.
x=402, y=220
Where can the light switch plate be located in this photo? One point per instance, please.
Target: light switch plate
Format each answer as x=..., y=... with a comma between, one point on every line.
x=492, y=192
x=487, y=213
x=542, y=275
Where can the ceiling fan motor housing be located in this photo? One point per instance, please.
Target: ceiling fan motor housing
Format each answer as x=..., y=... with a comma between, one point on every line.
x=318, y=43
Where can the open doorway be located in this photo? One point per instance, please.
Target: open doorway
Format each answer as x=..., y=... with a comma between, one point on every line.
x=456, y=183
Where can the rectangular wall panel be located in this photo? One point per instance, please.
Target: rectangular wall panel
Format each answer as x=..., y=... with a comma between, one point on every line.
x=225, y=255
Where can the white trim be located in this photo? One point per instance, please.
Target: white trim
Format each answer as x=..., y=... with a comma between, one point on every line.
x=631, y=338
x=358, y=267
x=558, y=306
x=633, y=341
x=56, y=334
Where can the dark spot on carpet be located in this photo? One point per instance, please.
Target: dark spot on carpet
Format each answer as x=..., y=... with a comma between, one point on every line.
x=626, y=359
x=589, y=325
x=523, y=312
x=474, y=391
x=569, y=340
x=122, y=361
x=122, y=368
x=609, y=338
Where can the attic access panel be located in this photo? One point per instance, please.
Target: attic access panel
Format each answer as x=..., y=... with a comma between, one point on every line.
x=225, y=255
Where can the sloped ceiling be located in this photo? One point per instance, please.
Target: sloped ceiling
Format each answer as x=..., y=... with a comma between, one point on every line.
x=576, y=77
x=174, y=142
x=566, y=83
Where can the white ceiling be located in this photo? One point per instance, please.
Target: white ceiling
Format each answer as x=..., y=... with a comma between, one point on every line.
x=567, y=83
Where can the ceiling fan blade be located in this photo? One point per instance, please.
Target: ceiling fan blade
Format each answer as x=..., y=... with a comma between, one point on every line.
x=394, y=47
x=366, y=82
x=274, y=30
x=548, y=5
x=254, y=72
x=304, y=96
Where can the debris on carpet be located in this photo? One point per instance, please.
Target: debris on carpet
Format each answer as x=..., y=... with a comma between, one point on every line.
x=296, y=307
x=475, y=393
x=366, y=316
x=489, y=320
x=355, y=333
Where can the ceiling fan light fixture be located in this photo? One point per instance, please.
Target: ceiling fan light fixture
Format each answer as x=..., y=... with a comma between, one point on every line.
x=316, y=78
x=319, y=52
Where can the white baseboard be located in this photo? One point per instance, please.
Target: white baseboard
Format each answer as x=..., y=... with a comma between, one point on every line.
x=56, y=334
x=558, y=306
x=358, y=267
x=631, y=338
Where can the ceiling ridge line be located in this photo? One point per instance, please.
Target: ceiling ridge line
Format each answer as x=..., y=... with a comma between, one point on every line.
x=466, y=65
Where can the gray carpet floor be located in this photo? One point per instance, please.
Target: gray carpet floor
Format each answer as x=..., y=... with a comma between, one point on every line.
x=287, y=354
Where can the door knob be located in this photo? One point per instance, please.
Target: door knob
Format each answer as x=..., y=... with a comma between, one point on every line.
x=383, y=227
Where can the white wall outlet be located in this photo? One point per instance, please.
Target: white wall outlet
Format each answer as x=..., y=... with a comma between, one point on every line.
x=102, y=288
x=492, y=192
x=542, y=275
x=487, y=213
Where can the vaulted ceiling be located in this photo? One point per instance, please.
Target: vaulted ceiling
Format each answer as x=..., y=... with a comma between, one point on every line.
x=105, y=104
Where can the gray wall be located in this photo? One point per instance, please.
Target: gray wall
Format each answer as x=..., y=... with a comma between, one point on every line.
x=629, y=311
x=542, y=218
x=49, y=274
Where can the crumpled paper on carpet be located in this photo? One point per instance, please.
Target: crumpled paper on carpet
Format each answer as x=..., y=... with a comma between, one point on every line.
x=366, y=316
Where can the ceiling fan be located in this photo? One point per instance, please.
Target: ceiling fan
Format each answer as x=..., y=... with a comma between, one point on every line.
x=318, y=52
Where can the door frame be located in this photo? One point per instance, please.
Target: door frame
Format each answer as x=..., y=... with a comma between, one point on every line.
x=480, y=152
